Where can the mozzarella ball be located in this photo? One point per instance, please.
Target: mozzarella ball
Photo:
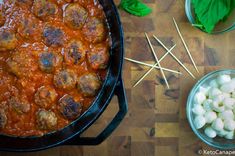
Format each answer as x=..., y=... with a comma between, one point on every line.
x=230, y=135
x=207, y=105
x=214, y=92
x=199, y=97
x=233, y=94
x=219, y=98
x=226, y=115
x=214, y=84
x=229, y=102
x=217, y=106
x=199, y=121
x=218, y=124
x=210, y=116
x=228, y=87
x=210, y=132
x=222, y=133
x=223, y=79
x=198, y=110
x=229, y=125
x=204, y=90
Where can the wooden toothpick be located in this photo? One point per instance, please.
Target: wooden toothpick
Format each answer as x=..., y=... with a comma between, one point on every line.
x=156, y=58
x=185, y=45
x=142, y=77
x=150, y=65
x=159, y=41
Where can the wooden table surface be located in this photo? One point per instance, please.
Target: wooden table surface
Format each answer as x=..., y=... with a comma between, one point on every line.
x=156, y=123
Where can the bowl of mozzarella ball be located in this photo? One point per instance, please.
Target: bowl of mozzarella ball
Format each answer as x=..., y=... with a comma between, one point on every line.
x=211, y=109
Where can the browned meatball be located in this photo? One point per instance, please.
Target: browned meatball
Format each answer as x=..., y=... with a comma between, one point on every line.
x=3, y=118
x=20, y=64
x=24, y=2
x=75, y=52
x=2, y=16
x=89, y=84
x=75, y=16
x=27, y=28
x=48, y=61
x=94, y=30
x=8, y=40
x=18, y=105
x=65, y=79
x=98, y=57
x=69, y=108
x=46, y=120
x=45, y=97
x=44, y=8
x=53, y=36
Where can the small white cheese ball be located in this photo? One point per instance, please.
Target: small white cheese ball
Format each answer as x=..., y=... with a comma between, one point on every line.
x=217, y=106
x=222, y=133
x=214, y=92
x=226, y=115
x=210, y=132
x=198, y=110
x=210, y=116
x=230, y=135
x=199, y=121
x=199, y=98
x=226, y=95
x=223, y=79
x=214, y=84
x=229, y=125
x=204, y=90
x=218, y=124
x=219, y=98
x=207, y=105
x=233, y=94
x=228, y=87
x=233, y=109
x=229, y=102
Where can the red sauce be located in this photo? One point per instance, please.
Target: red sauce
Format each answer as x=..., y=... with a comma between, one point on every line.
x=25, y=124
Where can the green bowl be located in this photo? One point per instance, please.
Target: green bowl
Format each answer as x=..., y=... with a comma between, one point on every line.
x=216, y=142
x=221, y=27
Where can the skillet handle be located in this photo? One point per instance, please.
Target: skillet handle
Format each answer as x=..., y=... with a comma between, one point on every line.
x=123, y=107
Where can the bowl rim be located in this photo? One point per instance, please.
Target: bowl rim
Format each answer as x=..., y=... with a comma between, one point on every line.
x=191, y=19
x=188, y=112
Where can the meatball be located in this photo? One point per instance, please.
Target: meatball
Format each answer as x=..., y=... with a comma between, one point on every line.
x=24, y=2
x=46, y=120
x=27, y=28
x=3, y=118
x=8, y=40
x=75, y=52
x=53, y=36
x=69, y=108
x=65, y=79
x=75, y=16
x=44, y=8
x=98, y=57
x=49, y=61
x=21, y=64
x=2, y=16
x=89, y=84
x=94, y=30
x=18, y=105
x=45, y=97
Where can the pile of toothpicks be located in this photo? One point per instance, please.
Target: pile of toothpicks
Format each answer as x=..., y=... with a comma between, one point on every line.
x=157, y=65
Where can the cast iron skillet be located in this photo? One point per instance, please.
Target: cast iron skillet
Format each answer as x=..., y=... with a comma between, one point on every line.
x=113, y=85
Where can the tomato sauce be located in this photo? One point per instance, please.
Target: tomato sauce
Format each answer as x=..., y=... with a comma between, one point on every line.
x=26, y=85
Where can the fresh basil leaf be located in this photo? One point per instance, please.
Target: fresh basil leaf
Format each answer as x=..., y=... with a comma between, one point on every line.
x=135, y=7
x=210, y=12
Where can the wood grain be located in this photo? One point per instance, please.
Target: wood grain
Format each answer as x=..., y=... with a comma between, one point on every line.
x=156, y=123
